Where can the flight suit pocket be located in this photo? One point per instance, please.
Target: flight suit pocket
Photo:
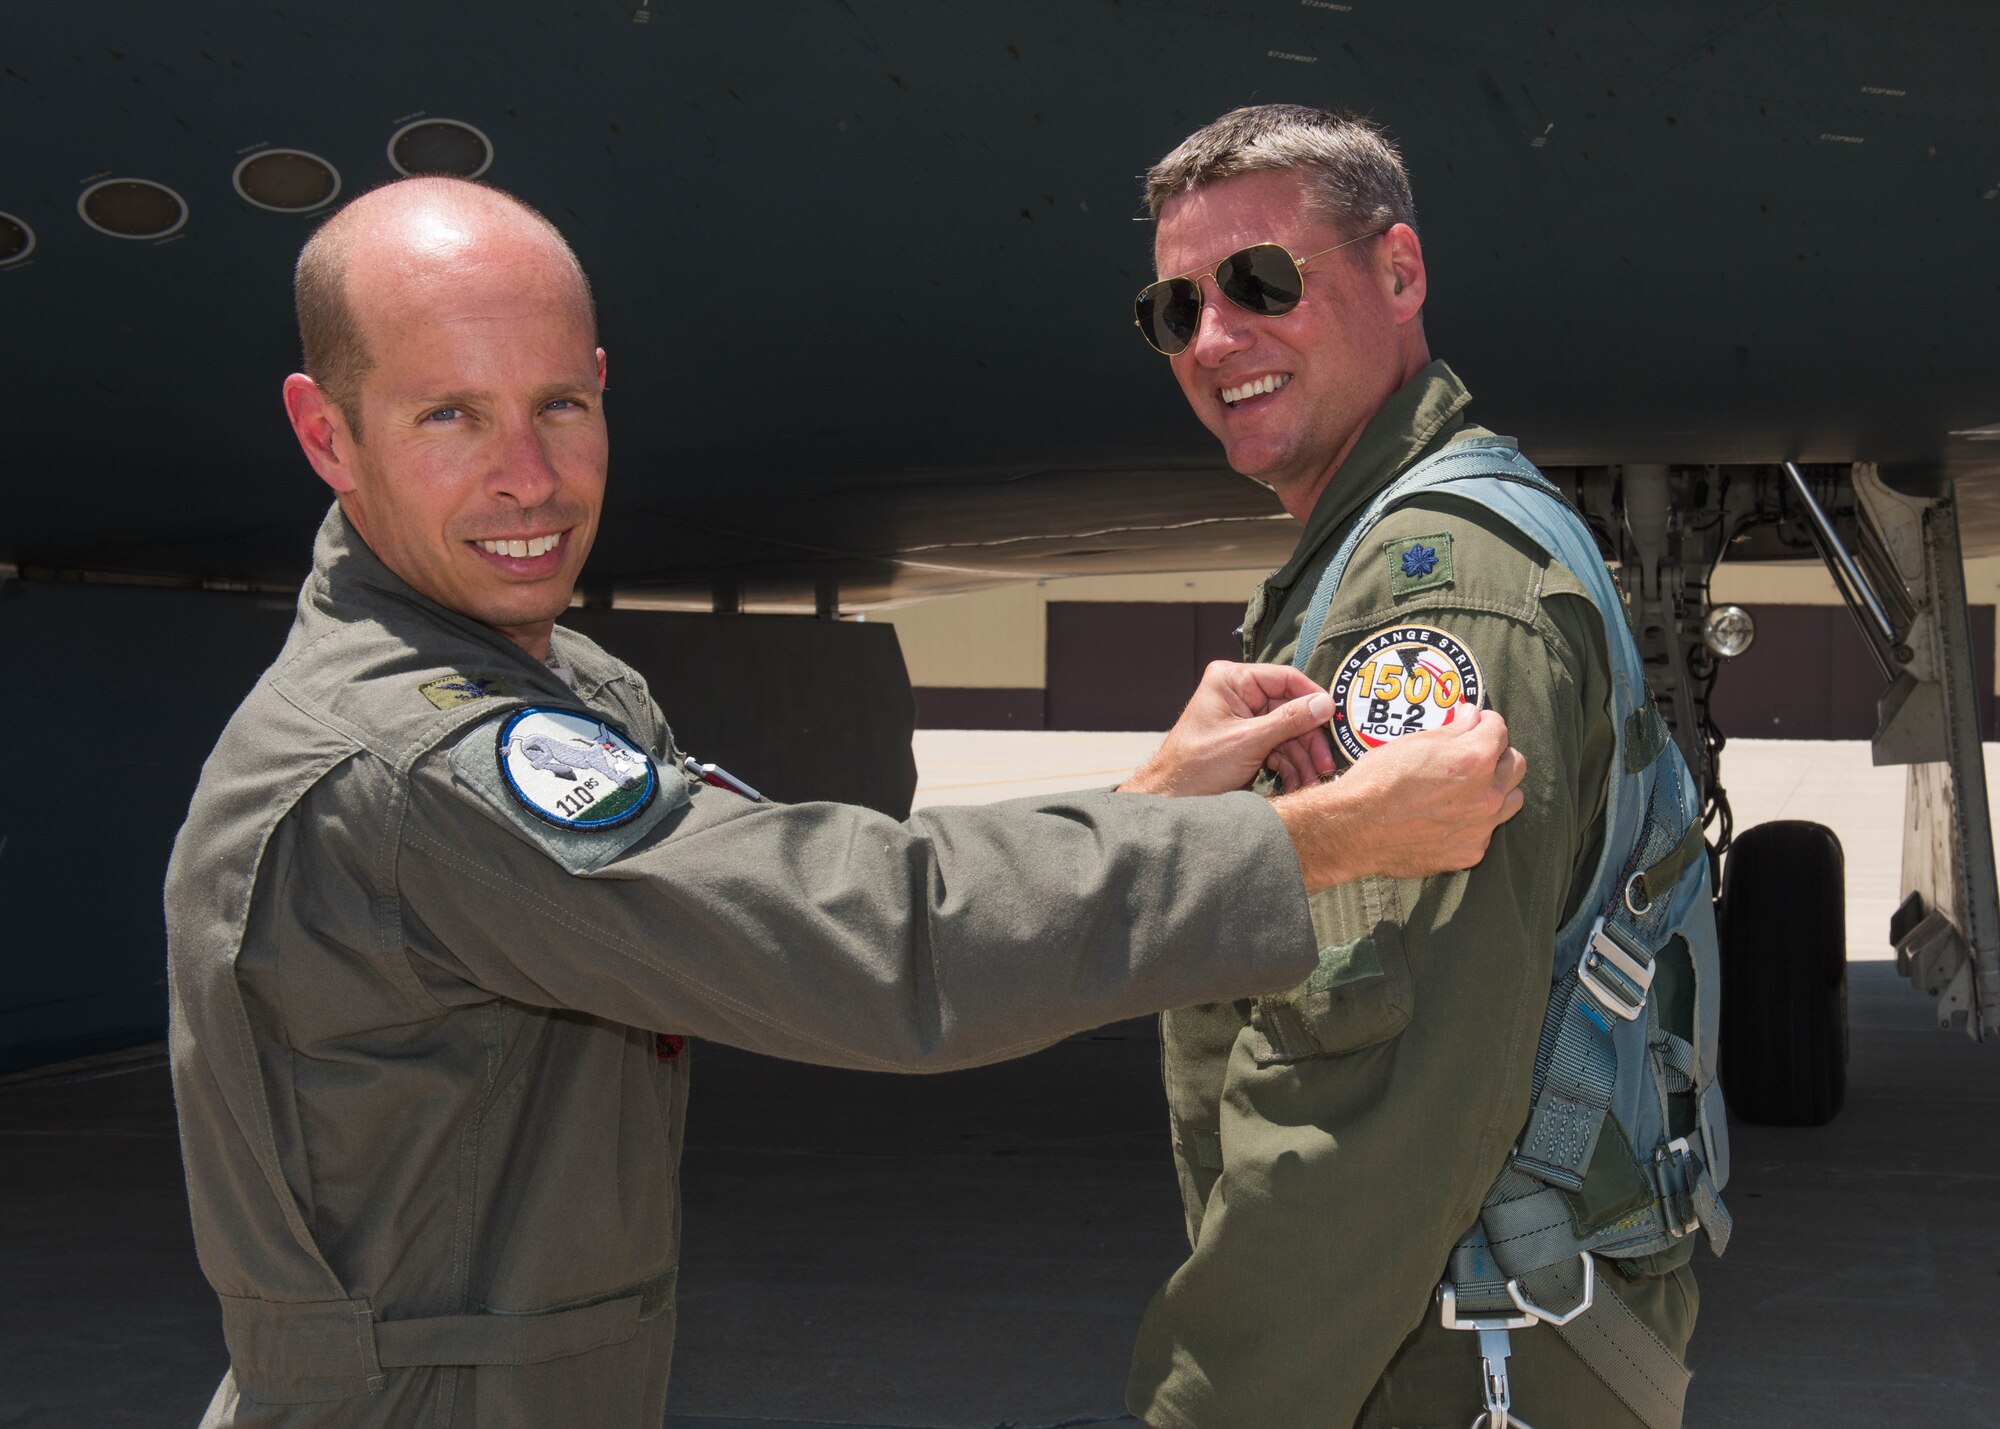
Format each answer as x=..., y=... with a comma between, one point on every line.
x=1195, y=1046
x=1358, y=996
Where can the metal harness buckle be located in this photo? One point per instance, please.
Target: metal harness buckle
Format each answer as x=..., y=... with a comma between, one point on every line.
x=1674, y=1172
x=1616, y=980
x=1549, y=1317
x=1494, y=1348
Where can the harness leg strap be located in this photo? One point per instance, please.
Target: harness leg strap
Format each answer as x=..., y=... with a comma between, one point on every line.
x=1622, y=1349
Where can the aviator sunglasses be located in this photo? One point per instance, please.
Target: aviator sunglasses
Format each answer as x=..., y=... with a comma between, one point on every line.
x=1264, y=279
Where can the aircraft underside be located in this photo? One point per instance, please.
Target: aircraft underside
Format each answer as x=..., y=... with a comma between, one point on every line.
x=864, y=274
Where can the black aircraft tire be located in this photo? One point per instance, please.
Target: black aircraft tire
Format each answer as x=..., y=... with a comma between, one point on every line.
x=1783, y=933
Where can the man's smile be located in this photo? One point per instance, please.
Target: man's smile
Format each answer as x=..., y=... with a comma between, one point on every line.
x=1233, y=397
x=535, y=555
x=532, y=546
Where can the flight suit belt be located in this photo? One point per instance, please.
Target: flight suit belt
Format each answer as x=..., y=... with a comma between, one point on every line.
x=304, y=1351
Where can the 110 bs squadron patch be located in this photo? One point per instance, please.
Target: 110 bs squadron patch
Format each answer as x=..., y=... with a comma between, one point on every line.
x=573, y=770
x=1401, y=680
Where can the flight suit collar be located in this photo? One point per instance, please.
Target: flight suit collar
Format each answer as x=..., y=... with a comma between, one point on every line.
x=1419, y=416
x=349, y=580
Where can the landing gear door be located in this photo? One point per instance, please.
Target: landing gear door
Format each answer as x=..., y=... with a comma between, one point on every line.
x=1947, y=931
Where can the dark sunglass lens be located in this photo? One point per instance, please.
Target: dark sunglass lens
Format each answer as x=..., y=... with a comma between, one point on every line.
x=1168, y=314
x=1262, y=279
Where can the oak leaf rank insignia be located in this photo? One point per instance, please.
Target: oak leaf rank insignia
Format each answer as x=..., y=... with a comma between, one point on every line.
x=1419, y=563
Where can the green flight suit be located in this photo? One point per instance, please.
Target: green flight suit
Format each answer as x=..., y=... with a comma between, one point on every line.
x=1334, y=1141
x=430, y=1133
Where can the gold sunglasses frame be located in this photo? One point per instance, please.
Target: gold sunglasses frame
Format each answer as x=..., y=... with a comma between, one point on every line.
x=1214, y=272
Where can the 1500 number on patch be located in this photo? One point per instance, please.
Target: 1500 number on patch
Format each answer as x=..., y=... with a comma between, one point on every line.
x=1402, y=680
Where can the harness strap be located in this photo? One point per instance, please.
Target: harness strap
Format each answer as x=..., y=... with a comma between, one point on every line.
x=1534, y=1227
x=1654, y=881
x=1532, y=1233
x=1616, y=1345
x=1577, y=1067
x=1646, y=738
x=1631, y=1360
x=1680, y=1065
x=1493, y=457
x=1716, y=1222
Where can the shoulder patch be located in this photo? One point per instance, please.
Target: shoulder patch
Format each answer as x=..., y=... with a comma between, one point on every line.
x=1403, y=679
x=1419, y=563
x=573, y=769
x=570, y=782
x=455, y=690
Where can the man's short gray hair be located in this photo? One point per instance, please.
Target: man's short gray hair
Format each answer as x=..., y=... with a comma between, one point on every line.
x=1354, y=175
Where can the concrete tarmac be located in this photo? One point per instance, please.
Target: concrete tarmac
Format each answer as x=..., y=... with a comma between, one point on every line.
x=975, y=1249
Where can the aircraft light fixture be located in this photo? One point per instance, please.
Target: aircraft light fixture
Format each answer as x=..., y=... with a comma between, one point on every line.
x=440, y=146
x=17, y=240
x=287, y=180
x=1728, y=631
x=132, y=208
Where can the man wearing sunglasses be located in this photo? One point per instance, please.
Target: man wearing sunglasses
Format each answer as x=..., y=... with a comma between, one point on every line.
x=448, y=897
x=1335, y=1142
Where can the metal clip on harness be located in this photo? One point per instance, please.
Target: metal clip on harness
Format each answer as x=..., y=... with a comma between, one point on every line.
x=1494, y=1348
x=1674, y=1169
x=1617, y=981
x=1495, y=1344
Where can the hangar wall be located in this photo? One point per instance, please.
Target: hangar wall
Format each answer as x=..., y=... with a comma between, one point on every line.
x=116, y=694
x=119, y=692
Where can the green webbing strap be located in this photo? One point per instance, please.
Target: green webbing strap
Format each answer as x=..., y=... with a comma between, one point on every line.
x=1531, y=1231
x=1679, y=1066
x=1662, y=876
x=1713, y=1191
x=1580, y=1066
x=1623, y=1350
x=1645, y=738
x=1619, y=1347
x=1716, y=1222
x=1476, y=1278
x=1577, y=1061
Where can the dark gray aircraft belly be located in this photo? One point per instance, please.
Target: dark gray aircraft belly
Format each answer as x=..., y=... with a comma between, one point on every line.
x=865, y=269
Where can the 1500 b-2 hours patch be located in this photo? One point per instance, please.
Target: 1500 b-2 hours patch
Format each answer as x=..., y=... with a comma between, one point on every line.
x=1403, y=679
x=573, y=770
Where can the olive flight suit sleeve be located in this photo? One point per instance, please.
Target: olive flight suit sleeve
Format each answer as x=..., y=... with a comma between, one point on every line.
x=1362, y=1116
x=832, y=934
